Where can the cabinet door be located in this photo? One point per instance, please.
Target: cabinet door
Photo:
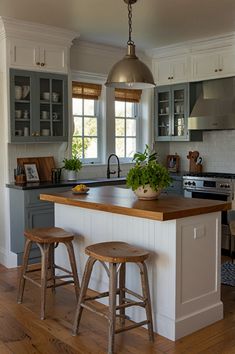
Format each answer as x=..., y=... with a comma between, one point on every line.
x=53, y=58
x=39, y=217
x=180, y=107
x=24, y=54
x=205, y=66
x=169, y=71
x=227, y=63
x=22, y=101
x=52, y=92
x=163, y=113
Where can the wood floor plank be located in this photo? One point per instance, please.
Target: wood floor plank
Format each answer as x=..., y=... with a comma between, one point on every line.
x=22, y=331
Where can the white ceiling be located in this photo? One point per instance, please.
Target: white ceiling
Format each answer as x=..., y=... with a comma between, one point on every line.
x=156, y=23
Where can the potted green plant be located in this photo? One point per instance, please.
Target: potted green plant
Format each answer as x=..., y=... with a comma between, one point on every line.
x=148, y=177
x=72, y=166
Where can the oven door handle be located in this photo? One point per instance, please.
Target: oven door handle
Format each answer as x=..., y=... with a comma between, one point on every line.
x=207, y=192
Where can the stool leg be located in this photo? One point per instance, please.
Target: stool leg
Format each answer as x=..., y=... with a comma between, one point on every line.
x=52, y=265
x=146, y=295
x=112, y=305
x=44, y=268
x=27, y=248
x=85, y=282
x=122, y=278
x=73, y=265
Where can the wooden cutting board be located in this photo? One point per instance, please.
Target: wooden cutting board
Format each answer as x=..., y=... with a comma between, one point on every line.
x=44, y=165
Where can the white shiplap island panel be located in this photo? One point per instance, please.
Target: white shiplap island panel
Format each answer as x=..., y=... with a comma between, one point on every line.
x=184, y=267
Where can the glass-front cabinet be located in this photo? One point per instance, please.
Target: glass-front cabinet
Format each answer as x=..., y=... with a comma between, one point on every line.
x=38, y=106
x=172, y=109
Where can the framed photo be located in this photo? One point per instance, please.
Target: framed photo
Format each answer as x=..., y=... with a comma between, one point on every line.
x=173, y=163
x=31, y=172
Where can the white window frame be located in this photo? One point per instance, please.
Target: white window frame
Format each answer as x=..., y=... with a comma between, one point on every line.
x=137, y=117
x=97, y=116
x=82, y=76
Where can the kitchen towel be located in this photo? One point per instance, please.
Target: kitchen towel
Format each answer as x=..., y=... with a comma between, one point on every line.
x=228, y=273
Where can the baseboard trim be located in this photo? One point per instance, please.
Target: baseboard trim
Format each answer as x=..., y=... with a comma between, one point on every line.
x=8, y=258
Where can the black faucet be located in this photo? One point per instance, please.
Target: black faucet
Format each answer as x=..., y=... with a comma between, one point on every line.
x=108, y=167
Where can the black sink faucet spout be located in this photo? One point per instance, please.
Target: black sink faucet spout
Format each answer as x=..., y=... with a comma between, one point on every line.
x=108, y=167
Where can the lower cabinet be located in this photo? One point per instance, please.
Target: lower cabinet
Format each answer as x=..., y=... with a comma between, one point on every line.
x=28, y=211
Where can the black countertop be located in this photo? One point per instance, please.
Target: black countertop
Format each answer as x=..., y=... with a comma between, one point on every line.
x=95, y=182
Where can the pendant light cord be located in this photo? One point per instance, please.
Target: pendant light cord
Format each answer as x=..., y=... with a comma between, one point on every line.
x=130, y=41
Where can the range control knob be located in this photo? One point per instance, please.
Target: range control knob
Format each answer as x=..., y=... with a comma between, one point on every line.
x=194, y=183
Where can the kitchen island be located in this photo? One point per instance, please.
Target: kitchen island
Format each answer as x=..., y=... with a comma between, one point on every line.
x=183, y=236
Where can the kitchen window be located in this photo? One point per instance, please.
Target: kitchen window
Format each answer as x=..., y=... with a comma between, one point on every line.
x=127, y=122
x=85, y=106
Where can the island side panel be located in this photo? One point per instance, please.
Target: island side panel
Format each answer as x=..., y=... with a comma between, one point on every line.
x=198, y=275
x=160, y=238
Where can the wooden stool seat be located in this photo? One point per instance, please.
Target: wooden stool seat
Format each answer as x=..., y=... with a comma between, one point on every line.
x=48, y=235
x=116, y=254
x=47, y=239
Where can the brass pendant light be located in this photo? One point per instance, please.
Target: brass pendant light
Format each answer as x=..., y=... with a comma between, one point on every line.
x=130, y=72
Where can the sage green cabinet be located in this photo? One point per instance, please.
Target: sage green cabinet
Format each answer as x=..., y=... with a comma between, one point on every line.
x=38, y=107
x=28, y=211
x=172, y=108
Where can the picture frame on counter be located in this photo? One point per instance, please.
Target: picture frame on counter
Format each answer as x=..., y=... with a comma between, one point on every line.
x=173, y=163
x=31, y=172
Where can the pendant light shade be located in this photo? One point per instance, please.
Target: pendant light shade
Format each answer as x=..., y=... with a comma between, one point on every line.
x=130, y=72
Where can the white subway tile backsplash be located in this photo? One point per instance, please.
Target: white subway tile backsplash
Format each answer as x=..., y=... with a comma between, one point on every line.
x=217, y=150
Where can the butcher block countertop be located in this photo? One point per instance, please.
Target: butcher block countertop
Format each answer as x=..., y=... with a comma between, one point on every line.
x=123, y=201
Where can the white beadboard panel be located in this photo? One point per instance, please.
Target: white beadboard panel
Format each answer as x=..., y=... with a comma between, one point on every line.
x=179, y=307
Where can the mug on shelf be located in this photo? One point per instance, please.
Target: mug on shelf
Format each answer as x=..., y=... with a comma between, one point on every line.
x=54, y=115
x=18, y=113
x=46, y=96
x=25, y=91
x=26, y=114
x=45, y=132
x=44, y=114
x=55, y=97
x=18, y=132
x=18, y=92
x=26, y=131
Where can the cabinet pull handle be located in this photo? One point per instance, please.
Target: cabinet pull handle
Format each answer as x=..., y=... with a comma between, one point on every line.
x=220, y=69
x=37, y=134
x=216, y=70
x=169, y=78
x=172, y=77
x=33, y=134
x=37, y=63
x=42, y=64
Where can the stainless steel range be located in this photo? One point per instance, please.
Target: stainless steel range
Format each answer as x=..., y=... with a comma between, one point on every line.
x=217, y=186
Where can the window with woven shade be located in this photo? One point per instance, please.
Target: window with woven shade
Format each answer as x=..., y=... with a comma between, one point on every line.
x=85, y=141
x=127, y=122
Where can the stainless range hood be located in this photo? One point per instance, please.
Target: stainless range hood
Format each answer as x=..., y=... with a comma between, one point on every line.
x=215, y=107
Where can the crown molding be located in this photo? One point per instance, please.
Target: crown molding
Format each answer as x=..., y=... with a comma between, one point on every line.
x=14, y=28
x=221, y=41
x=88, y=77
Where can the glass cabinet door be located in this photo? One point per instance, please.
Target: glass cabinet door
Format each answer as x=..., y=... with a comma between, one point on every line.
x=164, y=113
x=21, y=105
x=53, y=105
x=178, y=114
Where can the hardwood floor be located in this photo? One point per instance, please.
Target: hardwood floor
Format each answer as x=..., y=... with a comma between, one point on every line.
x=22, y=332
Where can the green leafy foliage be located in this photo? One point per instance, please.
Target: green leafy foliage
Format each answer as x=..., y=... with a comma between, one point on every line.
x=73, y=164
x=148, y=170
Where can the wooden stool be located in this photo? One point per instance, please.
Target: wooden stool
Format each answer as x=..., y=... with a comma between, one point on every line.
x=117, y=254
x=47, y=239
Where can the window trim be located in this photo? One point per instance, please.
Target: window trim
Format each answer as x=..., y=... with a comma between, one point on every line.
x=137, y=117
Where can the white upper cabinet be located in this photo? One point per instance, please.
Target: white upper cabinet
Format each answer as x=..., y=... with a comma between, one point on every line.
x=213, y=64
x=31, y=56
x=170, y=71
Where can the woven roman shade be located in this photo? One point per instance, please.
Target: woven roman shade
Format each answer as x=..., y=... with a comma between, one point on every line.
x=86, y=90
x=127, y=95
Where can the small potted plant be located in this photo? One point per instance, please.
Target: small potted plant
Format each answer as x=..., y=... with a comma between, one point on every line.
x=72, y=166
x=148, y=177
